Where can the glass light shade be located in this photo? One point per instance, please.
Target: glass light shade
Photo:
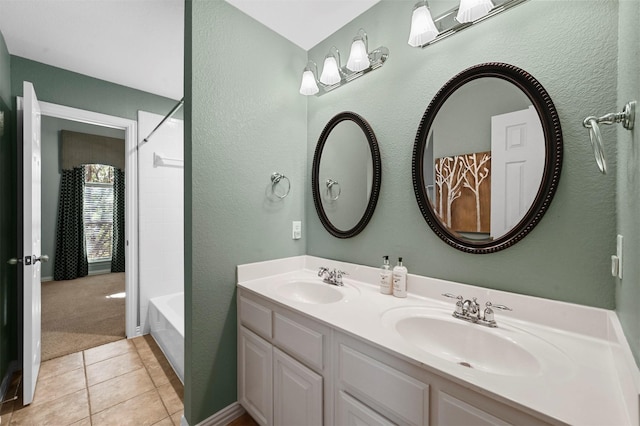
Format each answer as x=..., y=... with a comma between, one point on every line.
x=470, y=10
x=330, y=72
x=309, y=86
x=358, y=57
x=423, y=29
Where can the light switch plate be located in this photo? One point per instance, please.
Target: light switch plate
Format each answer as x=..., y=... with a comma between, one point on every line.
x=296, y=230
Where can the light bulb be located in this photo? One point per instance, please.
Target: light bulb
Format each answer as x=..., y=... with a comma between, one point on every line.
x=358, y=57
x=309, y=86
x=470, y=10
x=330, y=72
x=423, y=29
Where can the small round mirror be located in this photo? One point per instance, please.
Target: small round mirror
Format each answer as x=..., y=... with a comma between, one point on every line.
x=487, y=158
x=346, y=175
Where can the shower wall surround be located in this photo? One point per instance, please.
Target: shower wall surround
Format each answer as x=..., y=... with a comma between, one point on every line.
x=161, y=210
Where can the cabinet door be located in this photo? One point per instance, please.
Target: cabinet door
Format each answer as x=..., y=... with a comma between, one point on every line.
x=297, y=392
x=351, y=412
x=452, y=411
x=255, y=363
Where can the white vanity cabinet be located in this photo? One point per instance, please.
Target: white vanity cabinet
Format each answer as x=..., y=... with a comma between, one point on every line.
x=294, y=370
x=281, y=364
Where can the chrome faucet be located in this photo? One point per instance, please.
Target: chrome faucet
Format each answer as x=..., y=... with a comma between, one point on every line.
x=333, y=277
x=469, y=310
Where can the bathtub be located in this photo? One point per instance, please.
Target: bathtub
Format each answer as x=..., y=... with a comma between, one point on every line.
x=166, y=320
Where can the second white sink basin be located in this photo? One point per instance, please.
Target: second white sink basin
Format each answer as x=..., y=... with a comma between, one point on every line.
x=505, y=350
x=314, y=292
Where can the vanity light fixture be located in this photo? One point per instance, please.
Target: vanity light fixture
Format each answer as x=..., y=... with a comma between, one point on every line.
x=331, y=73
x=466, y=14
x=423, y=29
x=334, y=75
x=470, y=10
x=309, y=85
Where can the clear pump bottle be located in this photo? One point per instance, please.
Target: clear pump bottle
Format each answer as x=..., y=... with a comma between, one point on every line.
x=386, y=279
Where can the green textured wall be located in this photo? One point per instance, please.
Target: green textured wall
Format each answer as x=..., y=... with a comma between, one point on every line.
x=570, y=47
x=75, y=90
x=628, y=201
x=8, y=236
x=244, y=120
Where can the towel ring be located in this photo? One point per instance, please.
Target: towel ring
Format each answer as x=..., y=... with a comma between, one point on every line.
x=330, y=184
x=275, y=180
x=626, y=117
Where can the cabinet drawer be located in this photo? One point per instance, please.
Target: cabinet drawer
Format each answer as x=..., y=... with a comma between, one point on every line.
x=304, y=343
x=351, y=412
x=380, y=385
x=255, y=317
x=452, y=411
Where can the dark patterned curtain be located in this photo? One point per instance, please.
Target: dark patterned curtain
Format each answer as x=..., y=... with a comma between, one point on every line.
x=117, y=251
x=71, y=255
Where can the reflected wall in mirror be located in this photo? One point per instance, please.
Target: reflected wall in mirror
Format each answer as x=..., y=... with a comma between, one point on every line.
x=487, y=158
x=346, y=175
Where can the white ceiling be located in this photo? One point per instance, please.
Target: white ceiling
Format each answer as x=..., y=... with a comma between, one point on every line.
x=140, y=43
x=304, y=22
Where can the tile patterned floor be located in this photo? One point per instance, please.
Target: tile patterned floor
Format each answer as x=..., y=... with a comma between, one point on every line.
x=128, y=382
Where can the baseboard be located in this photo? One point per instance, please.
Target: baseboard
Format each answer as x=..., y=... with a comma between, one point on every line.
x=91, y=273
x=45, y=279
x=222, y=417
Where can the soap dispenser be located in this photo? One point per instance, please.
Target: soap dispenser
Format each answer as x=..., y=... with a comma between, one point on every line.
x=386, y=280
x=400, y=279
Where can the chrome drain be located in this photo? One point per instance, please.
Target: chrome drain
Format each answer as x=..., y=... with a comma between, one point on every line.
x=465, y=364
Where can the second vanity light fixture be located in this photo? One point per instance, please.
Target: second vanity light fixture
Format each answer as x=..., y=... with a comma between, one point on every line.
x=426, y=30
x=334, y=75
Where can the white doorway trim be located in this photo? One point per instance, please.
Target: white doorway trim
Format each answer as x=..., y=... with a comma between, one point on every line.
x=130, y=128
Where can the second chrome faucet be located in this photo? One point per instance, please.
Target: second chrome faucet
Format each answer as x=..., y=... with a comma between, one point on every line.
x=469, y=310
x=333, y=277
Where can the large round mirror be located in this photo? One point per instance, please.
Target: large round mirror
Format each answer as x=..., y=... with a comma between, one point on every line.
x=487, y=158
x=346, y=175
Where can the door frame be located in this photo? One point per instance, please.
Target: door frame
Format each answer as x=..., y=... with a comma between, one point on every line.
x=130, y=127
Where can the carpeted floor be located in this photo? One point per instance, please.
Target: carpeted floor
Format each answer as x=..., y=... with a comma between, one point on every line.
x=78, y=315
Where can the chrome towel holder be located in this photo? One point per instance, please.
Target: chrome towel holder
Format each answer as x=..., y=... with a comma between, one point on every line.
x=330, y=184
x=626, y=117
x=276, y=178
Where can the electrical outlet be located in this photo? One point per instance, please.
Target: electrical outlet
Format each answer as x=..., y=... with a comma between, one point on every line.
x=619, y=242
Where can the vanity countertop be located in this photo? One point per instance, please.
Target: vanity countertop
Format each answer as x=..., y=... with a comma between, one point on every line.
x=587, y=373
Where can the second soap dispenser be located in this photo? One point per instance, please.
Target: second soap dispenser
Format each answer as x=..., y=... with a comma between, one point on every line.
x=400, y=279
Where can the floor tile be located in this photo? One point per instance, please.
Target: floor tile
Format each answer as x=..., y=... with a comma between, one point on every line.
x=145, y=409
x=177, y=418
x=54, y=387
x=110, y=350
x=172, y=395
x=56, y=366
x=112, y=367
x=157, y=365
x=84, y=422
x=119, y=389
x=62, y=411
x=165, y=422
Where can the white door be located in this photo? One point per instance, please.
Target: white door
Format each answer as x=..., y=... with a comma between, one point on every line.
x=31, y=255
x=517, y=165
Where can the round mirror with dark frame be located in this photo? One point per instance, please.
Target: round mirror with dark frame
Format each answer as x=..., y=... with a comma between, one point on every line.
x=346, y=175
x=487, y=158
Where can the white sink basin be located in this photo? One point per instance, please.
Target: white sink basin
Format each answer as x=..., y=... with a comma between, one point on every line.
x=314, y=292
x=505, y=350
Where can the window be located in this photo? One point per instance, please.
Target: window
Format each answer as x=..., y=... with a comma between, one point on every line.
x=98, y=212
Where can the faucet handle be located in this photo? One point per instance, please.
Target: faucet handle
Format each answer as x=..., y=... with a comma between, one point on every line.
x=341, y=273
x=322, y=270
x=501, y=307
x=452, y=296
